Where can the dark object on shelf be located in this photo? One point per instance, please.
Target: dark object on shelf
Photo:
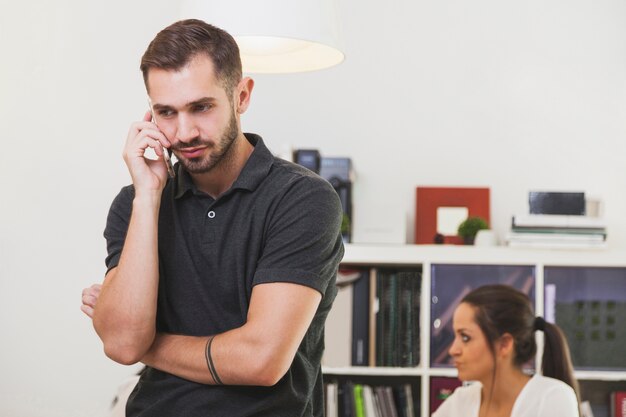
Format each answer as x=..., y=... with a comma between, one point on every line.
x=360, y=319
x=308, y=158
x=569, y=203
x=338, y=172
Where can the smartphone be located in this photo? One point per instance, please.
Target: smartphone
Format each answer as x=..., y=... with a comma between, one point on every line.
x=167, y=153
x=168, y=162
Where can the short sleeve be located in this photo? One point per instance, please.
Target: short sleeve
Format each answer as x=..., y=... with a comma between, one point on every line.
x=117, y=225
x=303, y=242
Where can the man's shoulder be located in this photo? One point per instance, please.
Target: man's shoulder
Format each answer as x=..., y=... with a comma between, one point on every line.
x=292, y=173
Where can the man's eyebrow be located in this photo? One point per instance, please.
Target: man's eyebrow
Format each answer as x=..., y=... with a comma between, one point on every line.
x=201, y=102
x=198, y=102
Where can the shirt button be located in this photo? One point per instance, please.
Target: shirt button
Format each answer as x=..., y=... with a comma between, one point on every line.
x=211, y=214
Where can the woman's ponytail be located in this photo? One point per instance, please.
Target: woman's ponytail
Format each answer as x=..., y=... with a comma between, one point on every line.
x=556, y=362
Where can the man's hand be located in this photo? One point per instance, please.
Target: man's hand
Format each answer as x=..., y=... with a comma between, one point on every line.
x=89, y=299
x=148, y=175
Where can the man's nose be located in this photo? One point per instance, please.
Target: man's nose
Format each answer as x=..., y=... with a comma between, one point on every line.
x=186, y=129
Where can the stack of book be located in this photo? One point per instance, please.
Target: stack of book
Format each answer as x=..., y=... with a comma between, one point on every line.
x=397, y=318
x=557, y=231
x=347, y=399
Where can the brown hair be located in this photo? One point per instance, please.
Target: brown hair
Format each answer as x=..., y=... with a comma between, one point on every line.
x=176, y=45
x=501, y=309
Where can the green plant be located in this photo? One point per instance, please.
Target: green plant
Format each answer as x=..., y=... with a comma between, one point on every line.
x=345, y=224
x=470, y=226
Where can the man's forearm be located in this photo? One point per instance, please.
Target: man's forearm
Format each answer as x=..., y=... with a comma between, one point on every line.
x=230, y=358
x=125, y=314
x=258, y=353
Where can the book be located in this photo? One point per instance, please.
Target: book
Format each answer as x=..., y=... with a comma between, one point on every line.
x=331, y=400
x=411, y=407
x=359, y=409
x=368, y=402
x=390, y=401
x=346, y=399
x=557, y=245
x=618, y=404
x=556, y=237
x=360, y=319
x=556, y=240
x=402, y=400
x=338, y=331
x=380, y=396
x=397, y=319
x=558, y=220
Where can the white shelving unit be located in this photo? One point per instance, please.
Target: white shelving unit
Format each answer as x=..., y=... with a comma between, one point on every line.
x=426, y=255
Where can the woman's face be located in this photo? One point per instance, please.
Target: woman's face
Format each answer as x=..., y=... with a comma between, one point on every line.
x=470, y=349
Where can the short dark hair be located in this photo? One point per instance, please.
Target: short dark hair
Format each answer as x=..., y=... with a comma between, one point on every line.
x=500, y=309
x=176, y=45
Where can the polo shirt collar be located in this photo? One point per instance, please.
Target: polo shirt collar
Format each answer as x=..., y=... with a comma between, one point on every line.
x=253, y=173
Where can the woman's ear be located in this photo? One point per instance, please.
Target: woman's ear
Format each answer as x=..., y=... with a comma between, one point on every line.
x=505, y=346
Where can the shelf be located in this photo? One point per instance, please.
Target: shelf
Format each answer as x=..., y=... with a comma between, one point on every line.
x=600, y=375
x=471, y=265
x=452, y=373
x=369, y=254
x=372, y=371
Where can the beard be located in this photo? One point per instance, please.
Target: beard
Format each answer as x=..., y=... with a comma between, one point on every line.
x=221, y=153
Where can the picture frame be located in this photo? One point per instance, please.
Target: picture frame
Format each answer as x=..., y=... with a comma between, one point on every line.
x=429, y=199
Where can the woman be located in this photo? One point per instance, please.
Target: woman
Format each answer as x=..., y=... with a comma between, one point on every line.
x=494, y=329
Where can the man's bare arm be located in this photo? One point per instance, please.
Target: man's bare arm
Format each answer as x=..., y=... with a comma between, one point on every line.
x=258, y=353
x=125, y=314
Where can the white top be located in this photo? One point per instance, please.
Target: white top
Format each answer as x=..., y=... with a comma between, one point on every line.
x=540, y=397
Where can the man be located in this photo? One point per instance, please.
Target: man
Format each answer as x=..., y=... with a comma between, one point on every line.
x=220, y=279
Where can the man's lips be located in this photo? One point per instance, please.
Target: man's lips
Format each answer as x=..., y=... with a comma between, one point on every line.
x=192, y=152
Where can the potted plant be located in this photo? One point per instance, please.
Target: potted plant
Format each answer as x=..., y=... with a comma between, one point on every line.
x=469, y=227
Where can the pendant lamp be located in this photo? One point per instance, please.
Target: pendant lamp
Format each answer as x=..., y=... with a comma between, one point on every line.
x=276, y=36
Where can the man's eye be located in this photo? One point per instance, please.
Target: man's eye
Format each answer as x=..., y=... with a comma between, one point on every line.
x=165, y=113
x=201, y=108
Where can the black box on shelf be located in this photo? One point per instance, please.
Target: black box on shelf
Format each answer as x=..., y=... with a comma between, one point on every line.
x=568, y=203
x=338, y=172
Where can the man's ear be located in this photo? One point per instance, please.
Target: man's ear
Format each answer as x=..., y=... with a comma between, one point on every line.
x=244, y=91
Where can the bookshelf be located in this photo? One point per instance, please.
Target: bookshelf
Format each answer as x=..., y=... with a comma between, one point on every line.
x=596, y=383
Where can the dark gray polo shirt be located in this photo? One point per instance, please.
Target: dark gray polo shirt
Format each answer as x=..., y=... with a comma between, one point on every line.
x=279, y=222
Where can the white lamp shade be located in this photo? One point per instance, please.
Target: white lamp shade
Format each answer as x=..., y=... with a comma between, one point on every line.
x=275, y=36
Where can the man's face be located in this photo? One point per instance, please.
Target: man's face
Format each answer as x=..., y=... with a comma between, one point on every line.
x=195, y=113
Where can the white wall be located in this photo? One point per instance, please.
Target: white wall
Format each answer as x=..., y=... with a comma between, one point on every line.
x=510, y=95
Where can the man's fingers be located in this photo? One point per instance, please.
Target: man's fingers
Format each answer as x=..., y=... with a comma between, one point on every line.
x=87, y=310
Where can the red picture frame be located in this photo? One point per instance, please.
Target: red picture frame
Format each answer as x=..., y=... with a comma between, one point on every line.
x=428, y=199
